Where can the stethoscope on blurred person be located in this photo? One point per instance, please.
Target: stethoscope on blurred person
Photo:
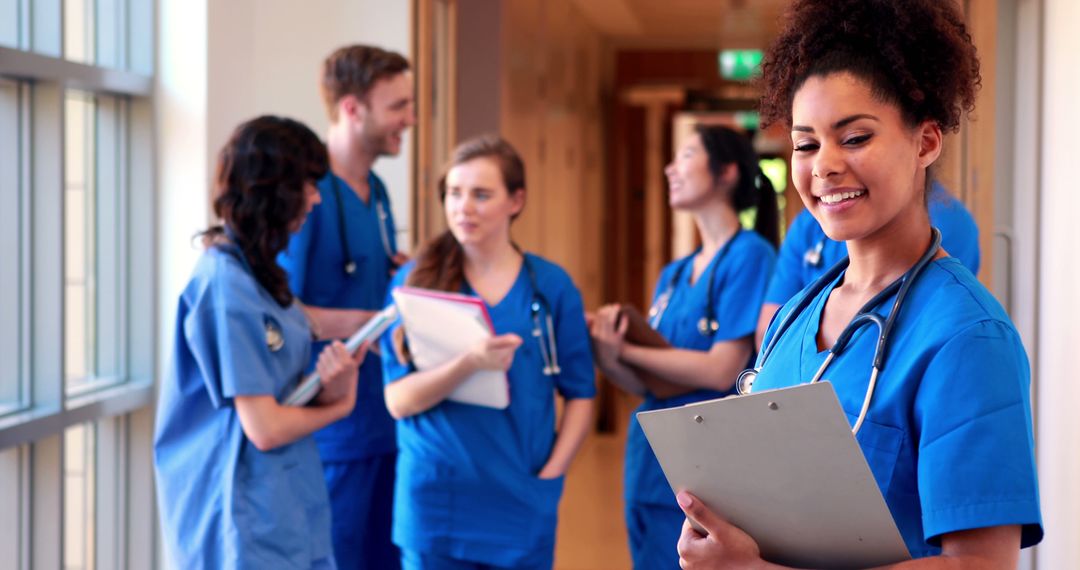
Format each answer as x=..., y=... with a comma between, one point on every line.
x=900, y=287
x=382, y=210
x=707, y=324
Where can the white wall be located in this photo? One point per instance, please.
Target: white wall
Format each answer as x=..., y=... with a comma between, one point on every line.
x=265, y=56
x=1058, y=390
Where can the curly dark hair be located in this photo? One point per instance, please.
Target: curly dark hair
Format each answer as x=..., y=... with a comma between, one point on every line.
x=917, y=54
x=353, y=70
x=261, y=174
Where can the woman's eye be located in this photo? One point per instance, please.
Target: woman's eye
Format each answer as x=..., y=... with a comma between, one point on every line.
x=805, y=147
x=856, y=140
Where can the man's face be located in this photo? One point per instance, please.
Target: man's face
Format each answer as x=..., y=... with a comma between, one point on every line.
x=389, y=109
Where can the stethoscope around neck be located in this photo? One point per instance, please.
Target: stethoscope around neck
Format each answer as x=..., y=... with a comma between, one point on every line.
x=541, y=316
x=900, y=287
x=707, y=325
x=380, y=200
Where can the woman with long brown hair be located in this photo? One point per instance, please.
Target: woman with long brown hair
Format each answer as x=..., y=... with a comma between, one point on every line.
x=238, y=477
x=479, y=487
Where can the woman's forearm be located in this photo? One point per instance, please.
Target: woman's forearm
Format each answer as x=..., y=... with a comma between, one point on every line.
x=715, y=369
x=269, y=425
x=329, y=324
x=576, y=421
x=420, y=391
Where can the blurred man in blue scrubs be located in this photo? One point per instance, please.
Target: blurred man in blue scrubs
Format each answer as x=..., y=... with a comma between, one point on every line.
x=343, y=259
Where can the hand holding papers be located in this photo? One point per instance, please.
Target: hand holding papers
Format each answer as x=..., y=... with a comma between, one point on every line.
x=441, y=326
x=371, y=330
x=783, y=466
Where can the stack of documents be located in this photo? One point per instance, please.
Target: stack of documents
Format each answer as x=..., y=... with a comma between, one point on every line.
x=441, y=326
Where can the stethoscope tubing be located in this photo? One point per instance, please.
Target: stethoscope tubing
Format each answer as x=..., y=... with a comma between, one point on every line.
x=380, y=201
x=864, y=316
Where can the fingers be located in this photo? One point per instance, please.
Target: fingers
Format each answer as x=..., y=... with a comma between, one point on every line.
x=504, y=341
x=361, y=353
x=698, y=512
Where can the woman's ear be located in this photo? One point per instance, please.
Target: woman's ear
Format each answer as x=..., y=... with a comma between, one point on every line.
x=729, y=176
x=517, y=201
x=930, y=143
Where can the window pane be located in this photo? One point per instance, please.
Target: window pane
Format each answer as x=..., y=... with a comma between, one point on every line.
x=79, y=30
x=10, y=244
x=79, y=225
x=9, y=23
x=11, y=490
x=79, y=496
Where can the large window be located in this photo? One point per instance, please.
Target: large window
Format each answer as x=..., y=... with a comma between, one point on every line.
x=77, y=331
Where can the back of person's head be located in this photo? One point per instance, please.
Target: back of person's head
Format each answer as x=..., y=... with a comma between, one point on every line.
x=916, y=54
x=725, y=146
x=354, y=70
x=259, y=194
x=440, y=263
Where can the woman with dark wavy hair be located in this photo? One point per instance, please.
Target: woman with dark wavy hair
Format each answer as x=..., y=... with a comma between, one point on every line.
x=867, y=87
x=238, y=477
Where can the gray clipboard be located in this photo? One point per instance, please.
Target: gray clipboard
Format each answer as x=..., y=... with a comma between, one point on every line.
x=783, y=466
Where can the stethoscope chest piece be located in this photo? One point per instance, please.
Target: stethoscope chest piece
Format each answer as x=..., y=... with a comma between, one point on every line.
x=745, y=382
x=350, y=267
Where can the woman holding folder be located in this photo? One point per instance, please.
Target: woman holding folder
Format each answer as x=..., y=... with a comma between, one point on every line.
x=479, y=487
x=239, y=480
x=867, y=89
x=705, y=306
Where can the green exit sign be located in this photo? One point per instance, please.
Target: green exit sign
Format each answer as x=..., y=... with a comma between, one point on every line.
x=740, y=64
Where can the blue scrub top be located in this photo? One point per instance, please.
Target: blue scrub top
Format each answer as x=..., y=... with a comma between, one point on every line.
x=466, y=476
x=315, y=262
x=959, y=237
x=738, y=288
x=948, y=435
x=224, y=503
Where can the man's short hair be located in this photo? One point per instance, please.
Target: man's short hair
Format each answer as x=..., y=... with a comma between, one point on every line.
x=353, y=70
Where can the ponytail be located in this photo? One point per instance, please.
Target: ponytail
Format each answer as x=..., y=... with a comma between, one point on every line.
x=440, y=265
x=725, y=146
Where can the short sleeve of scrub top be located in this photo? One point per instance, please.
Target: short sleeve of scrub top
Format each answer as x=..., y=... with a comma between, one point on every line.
x=968, y=429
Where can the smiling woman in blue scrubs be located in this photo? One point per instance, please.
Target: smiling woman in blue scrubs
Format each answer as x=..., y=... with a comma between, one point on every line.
x=478, y=488
x=239, y=481
x=807, y=253
x=867, y=89
x=706, y=305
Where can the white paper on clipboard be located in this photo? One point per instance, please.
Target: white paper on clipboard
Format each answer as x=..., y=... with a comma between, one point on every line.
x=783, y=466
x=440, y=326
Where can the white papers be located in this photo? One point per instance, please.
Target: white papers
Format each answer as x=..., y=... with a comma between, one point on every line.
x=441, y=326
x=371, y=330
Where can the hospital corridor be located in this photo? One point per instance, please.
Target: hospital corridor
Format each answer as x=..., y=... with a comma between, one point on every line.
x=539, y=284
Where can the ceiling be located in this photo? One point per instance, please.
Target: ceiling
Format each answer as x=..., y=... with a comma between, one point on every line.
x=685, y=24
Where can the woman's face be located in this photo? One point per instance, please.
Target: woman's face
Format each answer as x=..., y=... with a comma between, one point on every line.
x=478, y=206
x=311, y=199
x=690, y=182
x=858, y=166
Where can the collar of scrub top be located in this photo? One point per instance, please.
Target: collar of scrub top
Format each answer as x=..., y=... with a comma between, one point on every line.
x=381, y=200
x=707, y=324
x=900, y=287
x=542, y=318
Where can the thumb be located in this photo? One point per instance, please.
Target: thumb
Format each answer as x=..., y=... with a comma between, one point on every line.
x=508, y=340
x=697, y=512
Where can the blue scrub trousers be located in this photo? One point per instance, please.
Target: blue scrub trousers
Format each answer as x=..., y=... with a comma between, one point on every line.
x=416, y=560
x=362, y=494
x=654, y=535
